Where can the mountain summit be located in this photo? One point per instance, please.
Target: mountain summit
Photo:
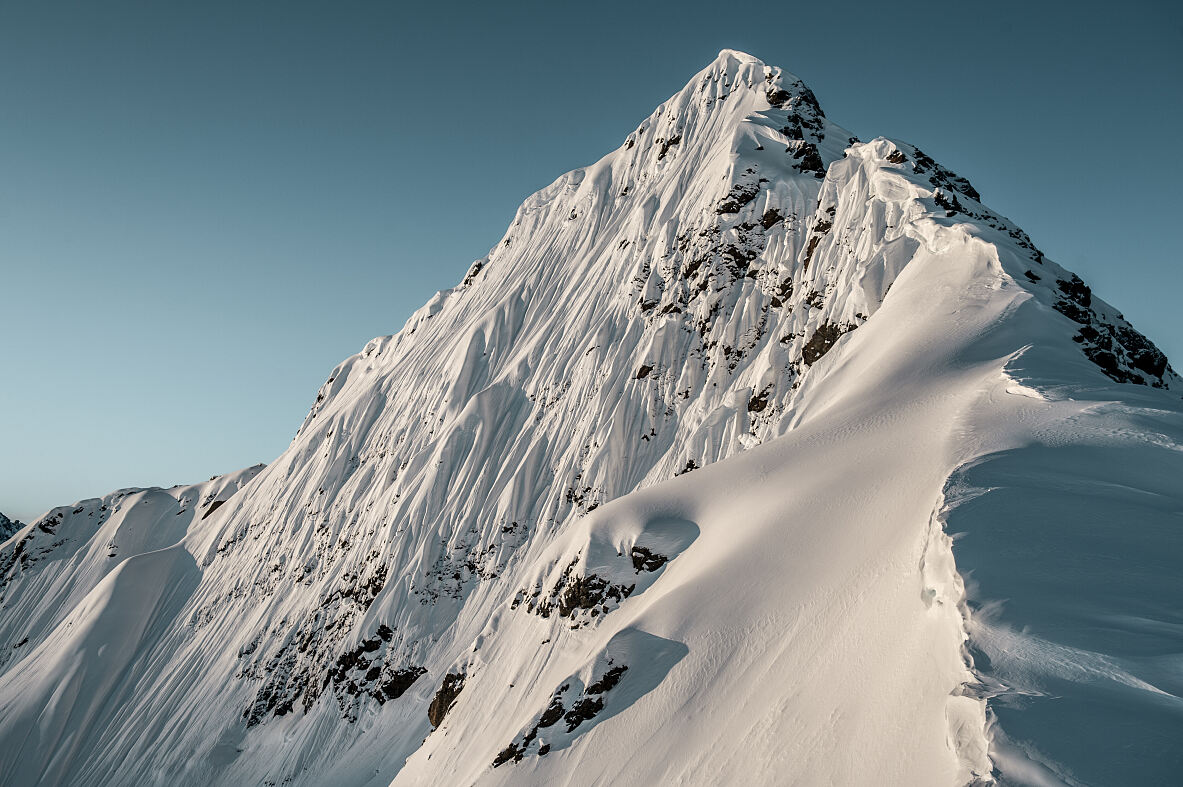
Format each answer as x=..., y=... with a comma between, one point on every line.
x=661, y=492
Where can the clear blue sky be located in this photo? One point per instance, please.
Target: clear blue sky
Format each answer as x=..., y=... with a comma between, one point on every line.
x=204, y=207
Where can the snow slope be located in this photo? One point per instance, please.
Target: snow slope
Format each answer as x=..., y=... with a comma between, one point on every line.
x=47, y=568
x=660, y=493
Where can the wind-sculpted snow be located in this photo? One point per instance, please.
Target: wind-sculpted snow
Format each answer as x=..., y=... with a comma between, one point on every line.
x=1073, y=544
x=535, y=536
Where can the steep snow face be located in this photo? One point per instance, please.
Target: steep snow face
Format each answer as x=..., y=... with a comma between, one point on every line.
x=484, y=557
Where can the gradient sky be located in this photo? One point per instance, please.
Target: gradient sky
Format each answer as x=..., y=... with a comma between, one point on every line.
x=203, y=208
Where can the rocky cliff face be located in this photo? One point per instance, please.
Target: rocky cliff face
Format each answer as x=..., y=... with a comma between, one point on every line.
x=8, y=527
x=737, y=273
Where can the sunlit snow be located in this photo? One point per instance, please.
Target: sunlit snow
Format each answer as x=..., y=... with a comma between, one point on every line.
x=751, y=454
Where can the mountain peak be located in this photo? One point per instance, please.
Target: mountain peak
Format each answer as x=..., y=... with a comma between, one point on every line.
x=726, y=55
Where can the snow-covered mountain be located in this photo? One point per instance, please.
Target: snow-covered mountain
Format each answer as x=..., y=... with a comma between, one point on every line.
x=8, y=527
x=664, y=491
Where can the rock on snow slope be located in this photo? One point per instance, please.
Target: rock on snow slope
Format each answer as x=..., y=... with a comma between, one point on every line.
x=665, y=491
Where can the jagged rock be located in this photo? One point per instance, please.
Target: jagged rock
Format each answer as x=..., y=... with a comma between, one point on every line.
x=510, y=752
x=398, y=682
x=607, y=681
x=760, y=400
x=473, y=272
x=588, y=592
x=644, y=560
x=740, y=194
x=942, y=177
x=664, y=145
x=819, y=230
x=445, y=697
x=583, y=710
x=1077, y=290
x=949, y=203
x=807, y=156
x=8, y=527
x=552, y=714
x=824, y=338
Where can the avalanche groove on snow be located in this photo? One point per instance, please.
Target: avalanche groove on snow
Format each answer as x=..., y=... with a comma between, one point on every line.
x=751, y=454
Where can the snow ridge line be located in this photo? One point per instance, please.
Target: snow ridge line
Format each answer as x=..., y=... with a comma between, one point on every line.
x=943, y=591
